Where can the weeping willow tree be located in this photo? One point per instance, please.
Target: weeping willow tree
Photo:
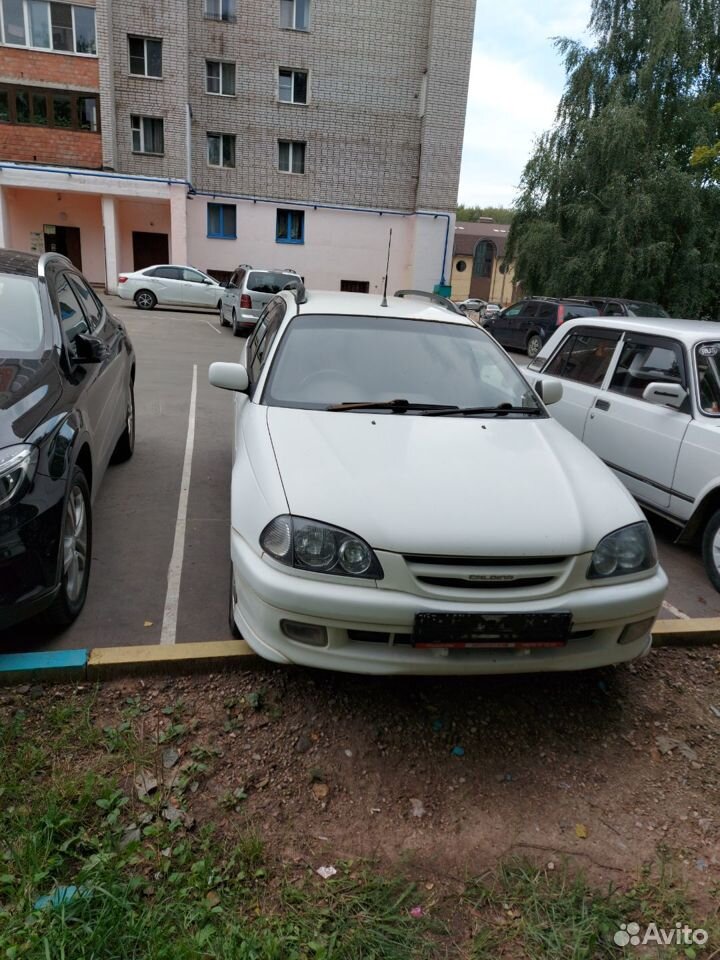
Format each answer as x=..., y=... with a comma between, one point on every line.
x=621, y=196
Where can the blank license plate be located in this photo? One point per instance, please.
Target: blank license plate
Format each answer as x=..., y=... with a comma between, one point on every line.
x=458, y=631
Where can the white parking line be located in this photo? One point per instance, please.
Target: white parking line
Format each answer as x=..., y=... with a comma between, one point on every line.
x=212, y=326
x=674, y=611
x=172, y=597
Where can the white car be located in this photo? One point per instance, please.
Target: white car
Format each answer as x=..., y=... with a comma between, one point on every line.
x=170, y=284
x=402, y=502
x=644, y=395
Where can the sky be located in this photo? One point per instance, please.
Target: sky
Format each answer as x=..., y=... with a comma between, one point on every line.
x=516, y=80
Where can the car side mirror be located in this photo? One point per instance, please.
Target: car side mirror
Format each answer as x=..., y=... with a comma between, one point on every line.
x=229, y=376
x=549, y=391
x=665, y=394
x=89, y=349
x=207, y=282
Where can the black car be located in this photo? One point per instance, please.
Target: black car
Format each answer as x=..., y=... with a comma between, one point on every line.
x=67, y=370
x=528, y=324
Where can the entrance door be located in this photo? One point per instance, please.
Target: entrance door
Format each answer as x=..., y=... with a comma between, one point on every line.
x=149, y=249
x=64, y=240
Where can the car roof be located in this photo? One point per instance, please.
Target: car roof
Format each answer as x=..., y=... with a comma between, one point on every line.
x=17, y=262
x=369, y=305
x=689, y=331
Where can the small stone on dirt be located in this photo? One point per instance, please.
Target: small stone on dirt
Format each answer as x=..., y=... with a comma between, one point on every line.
x=169, y=758
x=326, y=872
x=145, y=784
x=303, y=744
x=418, y=808
x=320, y=790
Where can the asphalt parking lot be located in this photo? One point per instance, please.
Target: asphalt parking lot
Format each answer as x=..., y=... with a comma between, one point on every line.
x=161, y=521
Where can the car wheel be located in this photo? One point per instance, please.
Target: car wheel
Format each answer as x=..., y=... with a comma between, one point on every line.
x=711, y=549
x=145, y=299
x=126, y=442
x=534, y=346
x=235, y=328
x=76, y=554
x=231, y=613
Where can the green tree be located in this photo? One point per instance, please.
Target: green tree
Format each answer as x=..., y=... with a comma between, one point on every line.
x=498, y=214
x=615, y=198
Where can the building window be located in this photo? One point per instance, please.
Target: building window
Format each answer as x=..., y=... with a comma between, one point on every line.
x=295, y=14
x=220, y=10
x=291, y=156
x=220, y=78
x=483, y=259
x=50, y=108
x=49, y=26
x=147, y=135
x=145, y=57
x=290, y=226
x=461, y=266
x=292, y=86
x=221, y=221
x=221, y=149
x=355, y=286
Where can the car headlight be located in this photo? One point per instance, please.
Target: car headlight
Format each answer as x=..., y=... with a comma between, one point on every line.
x=17, y=466
x=628, y=550
x=320, y=547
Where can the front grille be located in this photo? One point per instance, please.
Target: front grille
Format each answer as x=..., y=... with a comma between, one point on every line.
x=405, y=639
x=473, y=574
x=482, y=561
x=513, y=584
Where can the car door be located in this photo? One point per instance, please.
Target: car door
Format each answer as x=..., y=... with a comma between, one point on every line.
x=167, y=284
x=230, y=295
x=538, y=317
x=198, y=289
x=501, y=325
x=581, y=361
x=518, y=323
x=640, y=440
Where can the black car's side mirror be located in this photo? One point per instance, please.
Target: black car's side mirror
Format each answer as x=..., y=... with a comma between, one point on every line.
x=89, y=349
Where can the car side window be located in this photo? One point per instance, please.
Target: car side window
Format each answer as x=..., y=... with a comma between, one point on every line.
x=168, y=273
x=270, y=321
x=530, y=310
x=613, y=310
x=192, y=276
x=546, y=311
x=233, y=281
x=92, y=306
x=72, y=317
x=645, y=360
x=513, y=311
x=584, y=357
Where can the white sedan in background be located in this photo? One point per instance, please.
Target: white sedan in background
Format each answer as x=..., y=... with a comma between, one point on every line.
x=402, y=502
x=170, y=284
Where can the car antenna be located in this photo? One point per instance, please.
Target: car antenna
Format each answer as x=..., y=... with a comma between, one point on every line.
x=387, y=271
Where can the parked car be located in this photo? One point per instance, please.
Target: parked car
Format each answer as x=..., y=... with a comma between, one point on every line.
x=491, y=309
x=403, y=503
x=529, y=323
x=170, y=284
x=67, y=370
x=248, y=292
x=618, y=307
x=473, y=304
x=644, y=395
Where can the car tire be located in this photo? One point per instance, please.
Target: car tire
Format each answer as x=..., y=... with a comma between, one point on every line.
x=75, y=569
x=231, y=613
x=145, y=300
x=126, y=442
x=711, y=549
x=237, y=332
x=534, y=345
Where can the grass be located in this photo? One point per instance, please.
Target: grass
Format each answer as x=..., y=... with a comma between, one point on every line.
x=142, y=888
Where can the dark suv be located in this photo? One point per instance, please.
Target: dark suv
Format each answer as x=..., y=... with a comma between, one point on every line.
x=528, y=324
x=619, y=307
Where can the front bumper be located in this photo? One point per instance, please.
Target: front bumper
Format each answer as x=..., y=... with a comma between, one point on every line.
x=266, y=594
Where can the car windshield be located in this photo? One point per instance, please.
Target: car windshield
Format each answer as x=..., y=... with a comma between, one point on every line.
x=269, y=282
x=707, y=360
x=640, y=309
x=325, y=361
x=21, y=326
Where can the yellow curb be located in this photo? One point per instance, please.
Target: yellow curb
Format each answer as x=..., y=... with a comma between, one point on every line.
x=106, y=662
x=697, y=632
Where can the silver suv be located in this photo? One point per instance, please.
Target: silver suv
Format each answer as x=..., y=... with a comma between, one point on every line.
x=248, y=291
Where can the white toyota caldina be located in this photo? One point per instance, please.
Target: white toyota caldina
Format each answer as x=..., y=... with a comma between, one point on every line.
x=403, y=503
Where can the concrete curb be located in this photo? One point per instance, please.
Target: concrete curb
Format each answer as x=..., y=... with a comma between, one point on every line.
x=696, y=632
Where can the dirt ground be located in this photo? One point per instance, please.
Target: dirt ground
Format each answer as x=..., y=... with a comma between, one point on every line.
x=447, y=777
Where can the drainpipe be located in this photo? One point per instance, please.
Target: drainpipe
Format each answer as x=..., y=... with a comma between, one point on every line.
x=188, y=143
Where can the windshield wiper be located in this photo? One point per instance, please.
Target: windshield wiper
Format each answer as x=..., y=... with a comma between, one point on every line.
x=500, y=411
x=397, y=406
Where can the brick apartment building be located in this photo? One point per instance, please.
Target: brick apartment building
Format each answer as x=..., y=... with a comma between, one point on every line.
x=276, y=132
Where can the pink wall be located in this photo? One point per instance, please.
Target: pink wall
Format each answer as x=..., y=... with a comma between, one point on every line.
x=29, y=210
x=143, y=215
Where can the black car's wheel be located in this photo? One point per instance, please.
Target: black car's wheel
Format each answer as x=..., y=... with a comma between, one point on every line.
x=711, y=549
x=126, y=442
x=145, y=300
x=231, y=613
x=75, y=553
x=534, y=346
x=235, y=328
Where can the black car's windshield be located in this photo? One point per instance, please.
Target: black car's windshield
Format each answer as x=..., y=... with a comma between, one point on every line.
x=21, y=328
x=269, y=282
x=640, y=309
x=325, y=361
x=707, y=359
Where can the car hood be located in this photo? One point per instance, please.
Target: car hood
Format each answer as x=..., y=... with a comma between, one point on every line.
x=448, y=486
x=29, y=389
